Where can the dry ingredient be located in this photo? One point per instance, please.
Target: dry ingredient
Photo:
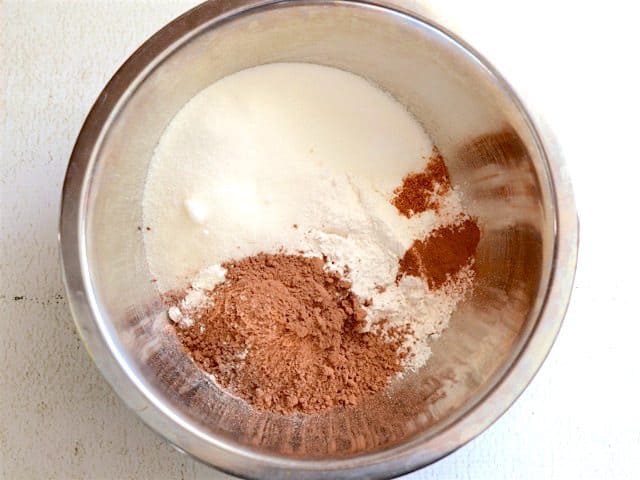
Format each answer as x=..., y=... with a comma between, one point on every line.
x=277, y=145
x=320, y=232
x=443, y=254
x=424, y=190
x=286, y=335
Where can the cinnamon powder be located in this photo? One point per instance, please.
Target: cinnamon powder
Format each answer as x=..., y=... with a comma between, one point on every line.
x=442, y=254
x=424, y=190
x=286, y=336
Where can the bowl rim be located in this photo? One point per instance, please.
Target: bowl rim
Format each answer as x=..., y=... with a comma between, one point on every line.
x=470, y=421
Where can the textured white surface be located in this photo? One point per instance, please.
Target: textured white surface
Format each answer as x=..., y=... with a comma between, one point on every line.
x=580, y=417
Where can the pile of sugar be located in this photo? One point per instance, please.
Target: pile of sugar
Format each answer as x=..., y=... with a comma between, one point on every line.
x=301, y=159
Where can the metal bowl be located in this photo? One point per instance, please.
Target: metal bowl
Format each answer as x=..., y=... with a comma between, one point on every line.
x=506, y=167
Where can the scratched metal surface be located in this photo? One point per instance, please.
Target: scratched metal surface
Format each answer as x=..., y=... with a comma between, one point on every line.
x=579, y=418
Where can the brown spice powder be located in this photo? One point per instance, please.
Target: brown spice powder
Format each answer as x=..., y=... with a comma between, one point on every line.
x=442, y=254
x=424, y=190
x=286, y=336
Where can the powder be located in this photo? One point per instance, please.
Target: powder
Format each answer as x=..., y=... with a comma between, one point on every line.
x=287, y=336
x=305, y=161
x=196, y=296
x=272, y=146
x=441, y=255
x=424, y=190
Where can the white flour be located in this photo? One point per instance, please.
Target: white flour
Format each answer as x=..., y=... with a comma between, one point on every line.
x=297, y=157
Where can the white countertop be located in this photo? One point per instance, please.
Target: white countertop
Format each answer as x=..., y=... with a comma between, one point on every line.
x=580, y=418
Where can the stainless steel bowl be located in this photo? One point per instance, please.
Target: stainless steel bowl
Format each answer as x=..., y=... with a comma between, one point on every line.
x=506, y=167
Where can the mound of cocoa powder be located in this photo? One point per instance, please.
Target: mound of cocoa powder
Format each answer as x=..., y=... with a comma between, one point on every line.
x=286, y=336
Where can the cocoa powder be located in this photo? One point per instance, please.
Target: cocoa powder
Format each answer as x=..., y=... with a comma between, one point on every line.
x=286, y=336
x=424, y=190
x=443, y=253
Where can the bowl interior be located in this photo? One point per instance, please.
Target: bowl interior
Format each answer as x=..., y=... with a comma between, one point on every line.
x=494, y=160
